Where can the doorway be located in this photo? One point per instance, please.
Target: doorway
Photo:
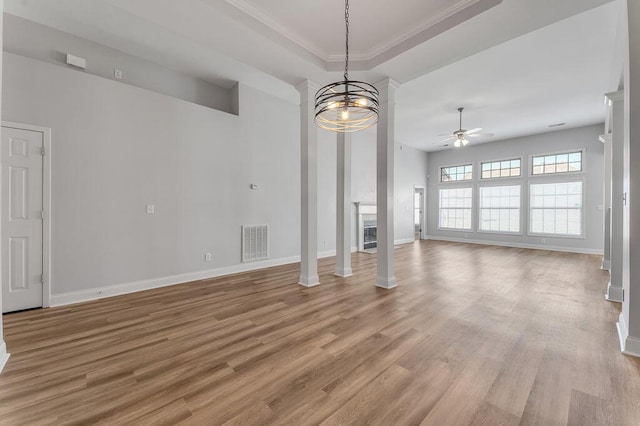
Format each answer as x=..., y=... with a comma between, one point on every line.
x=24, y=232
x=418, y=212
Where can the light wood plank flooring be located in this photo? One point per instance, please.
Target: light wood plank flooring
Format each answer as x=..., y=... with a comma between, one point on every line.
x=472, y=335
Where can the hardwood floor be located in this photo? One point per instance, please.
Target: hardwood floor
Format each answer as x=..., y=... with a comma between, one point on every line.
x=472, y=335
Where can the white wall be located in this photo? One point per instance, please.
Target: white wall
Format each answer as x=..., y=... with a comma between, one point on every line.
x=117, y=148
x=33, y=40
x=579, y=138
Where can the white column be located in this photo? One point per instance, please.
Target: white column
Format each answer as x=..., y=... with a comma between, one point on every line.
x=629, y=323
x=385, y=162
x=616, y=104
x=4, y=355
x=309, y=186
x=606, y=259
x=343, y=207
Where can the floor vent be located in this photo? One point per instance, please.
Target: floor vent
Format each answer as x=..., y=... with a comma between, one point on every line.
x=255, y=242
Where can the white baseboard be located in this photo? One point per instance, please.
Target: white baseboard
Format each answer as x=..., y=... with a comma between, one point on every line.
x=516, y=245
x=4, y=356
x=628, y=345
x=404, y=241
x=71, y=297
x=132, y=287
x=614, y=293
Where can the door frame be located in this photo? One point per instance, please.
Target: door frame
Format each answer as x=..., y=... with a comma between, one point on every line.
x=46, y=204
x=423, y=216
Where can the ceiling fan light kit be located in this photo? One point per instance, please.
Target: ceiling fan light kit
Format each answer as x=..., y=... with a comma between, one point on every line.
x=347, y=106
x=460, y=136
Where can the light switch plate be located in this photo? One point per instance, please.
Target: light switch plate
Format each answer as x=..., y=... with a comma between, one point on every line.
x=151, y=209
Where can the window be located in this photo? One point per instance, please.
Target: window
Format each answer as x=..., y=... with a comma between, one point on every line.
x=497, y=169
x=500, y=208
x=455, y=208
x=556, y=208
x=456, y=173
x=557, y=163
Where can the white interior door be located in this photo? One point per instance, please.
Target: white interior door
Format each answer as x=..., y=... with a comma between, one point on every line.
x=22, y=219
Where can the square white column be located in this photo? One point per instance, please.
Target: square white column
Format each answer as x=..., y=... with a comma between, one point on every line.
x=385, y=162
x=343, y=206
x=616, y=104
x=309, y=186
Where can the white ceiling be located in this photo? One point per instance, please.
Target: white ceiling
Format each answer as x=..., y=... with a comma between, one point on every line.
x=517, y=65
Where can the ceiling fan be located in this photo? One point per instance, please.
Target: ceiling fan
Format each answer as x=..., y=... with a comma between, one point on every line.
x=460, y=136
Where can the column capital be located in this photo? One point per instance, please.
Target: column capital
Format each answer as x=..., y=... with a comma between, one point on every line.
x=387, y=83
x=307, y=86
x=614, y=96
x=605, y=138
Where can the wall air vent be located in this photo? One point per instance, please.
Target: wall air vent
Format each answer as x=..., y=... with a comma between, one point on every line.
x=255, y=242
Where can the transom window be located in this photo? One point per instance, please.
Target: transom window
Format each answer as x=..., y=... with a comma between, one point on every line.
x=556, y=208
x=497, y=169
x=557, y=163
x=500, y=208
x=455, y=208
x=456, y=173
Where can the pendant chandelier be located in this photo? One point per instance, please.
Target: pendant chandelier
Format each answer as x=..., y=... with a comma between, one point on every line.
x=348, y=105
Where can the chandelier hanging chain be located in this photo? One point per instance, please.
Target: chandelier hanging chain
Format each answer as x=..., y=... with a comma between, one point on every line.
x=346, y=60
x=347, y=106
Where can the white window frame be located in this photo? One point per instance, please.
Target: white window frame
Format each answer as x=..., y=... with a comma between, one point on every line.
x=497, y=182
x=449, y=182
x=583, y=152
x=553, y=178
x=522, y=174
x=460, y=184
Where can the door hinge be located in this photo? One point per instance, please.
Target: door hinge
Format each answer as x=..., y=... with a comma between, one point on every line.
x=42, y=214
x=42, y=279
x=42, y=151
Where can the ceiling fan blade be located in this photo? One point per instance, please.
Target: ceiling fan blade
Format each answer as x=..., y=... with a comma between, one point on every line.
x=481, y=135
x=472, y=131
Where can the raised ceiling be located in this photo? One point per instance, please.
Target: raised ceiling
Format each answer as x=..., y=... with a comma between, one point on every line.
x=517, y=66
x=379, y=29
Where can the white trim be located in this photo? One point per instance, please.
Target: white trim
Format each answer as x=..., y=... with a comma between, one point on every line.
x=499, y=178
x=293, y=36
x=448, y=182
x=583, y=165
x=46, y=204
x=386, y=283
x=614, y=293
x=4, y=356
x=583, y=219
x=628, y=345
x=96, y=293
x=132, y=287
x=516, y=245
x=403, y=241
x=606, y=265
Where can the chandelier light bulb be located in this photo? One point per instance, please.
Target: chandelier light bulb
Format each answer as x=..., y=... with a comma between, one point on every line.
x=347, y=105
x=457, y=143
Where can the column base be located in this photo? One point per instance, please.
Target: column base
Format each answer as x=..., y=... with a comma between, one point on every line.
x=628, y=345
x=309, y=281
x=386, y=283
x=606, y=264
x=345, y=273
x=4, y=356
x=614, y=294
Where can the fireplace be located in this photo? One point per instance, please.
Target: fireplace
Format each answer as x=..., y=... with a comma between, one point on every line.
x=366, y=225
